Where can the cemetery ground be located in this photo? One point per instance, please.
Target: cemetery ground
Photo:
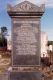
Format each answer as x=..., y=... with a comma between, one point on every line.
x=5, y=63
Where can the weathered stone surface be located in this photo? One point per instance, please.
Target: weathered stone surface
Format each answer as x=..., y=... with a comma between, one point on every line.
x=26, y=33
x=25, y=76
x=27, y=7
x=25, y=60
x=26, y=41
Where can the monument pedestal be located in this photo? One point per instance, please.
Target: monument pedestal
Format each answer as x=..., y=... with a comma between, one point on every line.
x=25, y=73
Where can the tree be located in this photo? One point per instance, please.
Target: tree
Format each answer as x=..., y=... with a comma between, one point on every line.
x=4, y=31
x=50, y=43
x=3, y=40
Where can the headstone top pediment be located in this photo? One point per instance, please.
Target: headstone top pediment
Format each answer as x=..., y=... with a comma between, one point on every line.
x=26, y=6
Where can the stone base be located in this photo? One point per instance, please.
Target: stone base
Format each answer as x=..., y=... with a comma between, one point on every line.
x=25, y=75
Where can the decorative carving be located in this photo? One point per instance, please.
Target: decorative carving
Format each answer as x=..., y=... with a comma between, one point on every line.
x=25, y=6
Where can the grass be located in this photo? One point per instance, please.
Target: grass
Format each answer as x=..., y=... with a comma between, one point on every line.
x=4, y=62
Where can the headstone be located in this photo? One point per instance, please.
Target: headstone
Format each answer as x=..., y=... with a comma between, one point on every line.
x=25, y=40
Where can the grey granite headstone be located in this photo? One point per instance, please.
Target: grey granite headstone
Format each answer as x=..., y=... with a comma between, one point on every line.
x=25, y=39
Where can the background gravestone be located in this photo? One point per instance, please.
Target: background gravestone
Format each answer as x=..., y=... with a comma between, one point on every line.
x=25, y=38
